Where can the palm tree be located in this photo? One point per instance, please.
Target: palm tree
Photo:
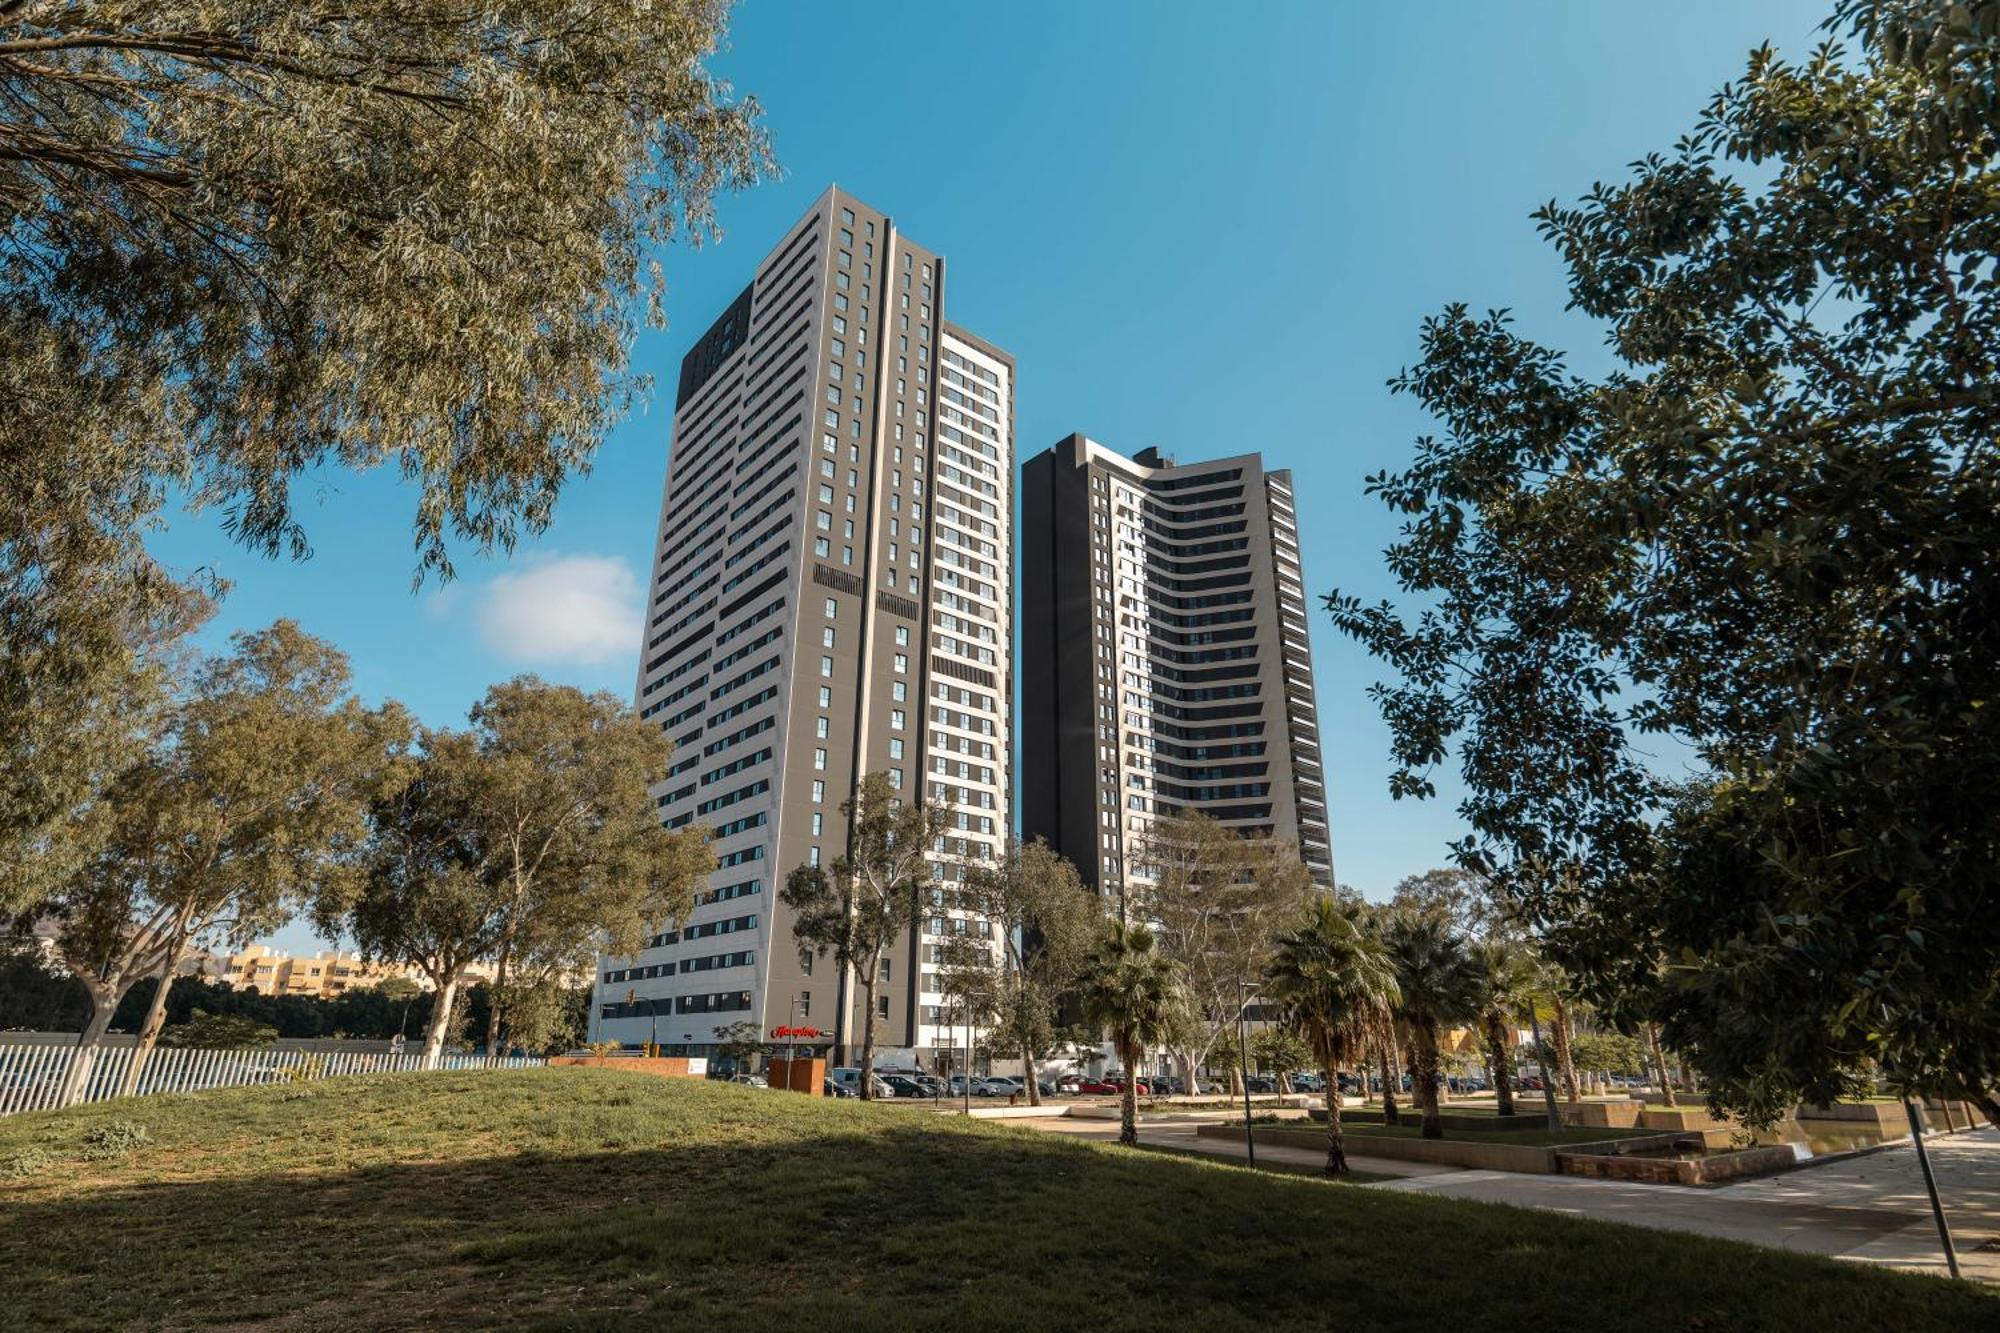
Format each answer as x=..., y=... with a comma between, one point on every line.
x=1439, y=985
x=1333, y=983
x=1133, y=991
x=1505, y=973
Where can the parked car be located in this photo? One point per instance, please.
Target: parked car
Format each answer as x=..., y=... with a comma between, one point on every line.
x=998, y=1085
x=901, y=1085
x=750, y=1080
x=850, y=1078
x=1068, y=1085
x=831, y=1089
x=1261, y=1083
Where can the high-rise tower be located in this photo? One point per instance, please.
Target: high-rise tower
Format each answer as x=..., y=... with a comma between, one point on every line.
x=1165, y=663
x=831, y=596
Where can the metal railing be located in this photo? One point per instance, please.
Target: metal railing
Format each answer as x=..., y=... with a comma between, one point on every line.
x=32, y=1075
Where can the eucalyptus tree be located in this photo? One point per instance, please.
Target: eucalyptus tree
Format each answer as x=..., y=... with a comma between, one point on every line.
x=1044, y=919
x=243, y=243
x=1216, y=902
x=1132, y=991
x=1335, y=984
x=251, y=794
x=1765, y=532
x=856, y=905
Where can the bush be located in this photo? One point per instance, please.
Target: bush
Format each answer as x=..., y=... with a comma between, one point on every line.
x=114, y=1139
x=26, y=1162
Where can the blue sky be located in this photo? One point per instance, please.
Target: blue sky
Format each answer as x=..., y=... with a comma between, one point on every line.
x=1211, y=228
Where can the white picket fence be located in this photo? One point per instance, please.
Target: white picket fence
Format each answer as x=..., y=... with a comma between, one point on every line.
x=32, y=1075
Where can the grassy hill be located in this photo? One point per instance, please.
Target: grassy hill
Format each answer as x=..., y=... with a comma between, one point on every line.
x=588, y=1199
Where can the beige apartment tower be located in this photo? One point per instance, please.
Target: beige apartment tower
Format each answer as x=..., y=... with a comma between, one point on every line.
x=1165, y=662
x=830, y=596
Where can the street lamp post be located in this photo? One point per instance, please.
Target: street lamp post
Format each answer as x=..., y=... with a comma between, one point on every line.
x=1243, y=992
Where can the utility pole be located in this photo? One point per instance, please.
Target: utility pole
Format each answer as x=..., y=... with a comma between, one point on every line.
x=1243, y=993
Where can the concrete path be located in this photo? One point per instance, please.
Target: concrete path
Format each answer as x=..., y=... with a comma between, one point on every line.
x=1870, y=1208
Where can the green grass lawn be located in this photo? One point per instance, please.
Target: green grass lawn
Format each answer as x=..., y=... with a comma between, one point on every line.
x=592, y=1199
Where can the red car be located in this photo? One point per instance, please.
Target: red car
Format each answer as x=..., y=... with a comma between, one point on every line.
x=1110, y=1087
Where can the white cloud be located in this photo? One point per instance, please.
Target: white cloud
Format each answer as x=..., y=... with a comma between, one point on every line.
x=582, y=609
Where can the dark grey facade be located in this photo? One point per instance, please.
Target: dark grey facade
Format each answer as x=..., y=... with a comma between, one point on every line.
x=1165, y=661
x=830, y=597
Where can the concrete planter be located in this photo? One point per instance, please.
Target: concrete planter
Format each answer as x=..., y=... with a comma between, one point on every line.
x=1527, y=1123
x=1522, y=1157
x=1680, y=1118
x=1603, y=1115
x=1707, y=1170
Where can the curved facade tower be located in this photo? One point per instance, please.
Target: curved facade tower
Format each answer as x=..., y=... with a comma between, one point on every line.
x=1165, y=665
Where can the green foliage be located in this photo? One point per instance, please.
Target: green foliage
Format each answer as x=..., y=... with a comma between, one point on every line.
x=1279, y=1051
x=1135, y=993
x=1766, y=536
x=1217, y=902
x=1335, y=984
x=219, y=1032
x=856, y=905
x=24, y=1162
x=242, y=243
x=1608, y=1053
x=529, y=840
x=114, y=1138
x=1045, y=920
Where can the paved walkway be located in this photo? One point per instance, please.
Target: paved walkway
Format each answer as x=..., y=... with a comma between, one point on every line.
x=1870, y=1208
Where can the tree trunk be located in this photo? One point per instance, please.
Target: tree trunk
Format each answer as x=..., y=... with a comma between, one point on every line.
x=1424, y=1078
x=868, y=1033
x=156, y=1018
x=1659, y=1063
x=103, y=1004
x=1560, y=1033
x=1128, y=1096
x=1385, y=1053
x=1029, y=1083
x=434, y=1032
x=1190, y=1075
x=1336, y=1146
x=1496, y=1055
x=498, y=989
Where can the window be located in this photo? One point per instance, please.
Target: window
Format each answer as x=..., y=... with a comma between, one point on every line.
x=812, y=856
x=825, y=697
x=896, y=777
x=817, y=823
x=819, y=790
x=885, y=969
x=820, y=728
x=899, y=691
x=902, y=662
x=821, y=546
x=819, y=759
x=826, y=666
x=897, y=719
x=902, y=636
x=826, y=637
x=882, y=1005
x=824, y=521
x=832, y=607
x=895, y=747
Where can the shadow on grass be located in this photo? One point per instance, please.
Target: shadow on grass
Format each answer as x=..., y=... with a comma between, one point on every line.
x=882, y=1222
